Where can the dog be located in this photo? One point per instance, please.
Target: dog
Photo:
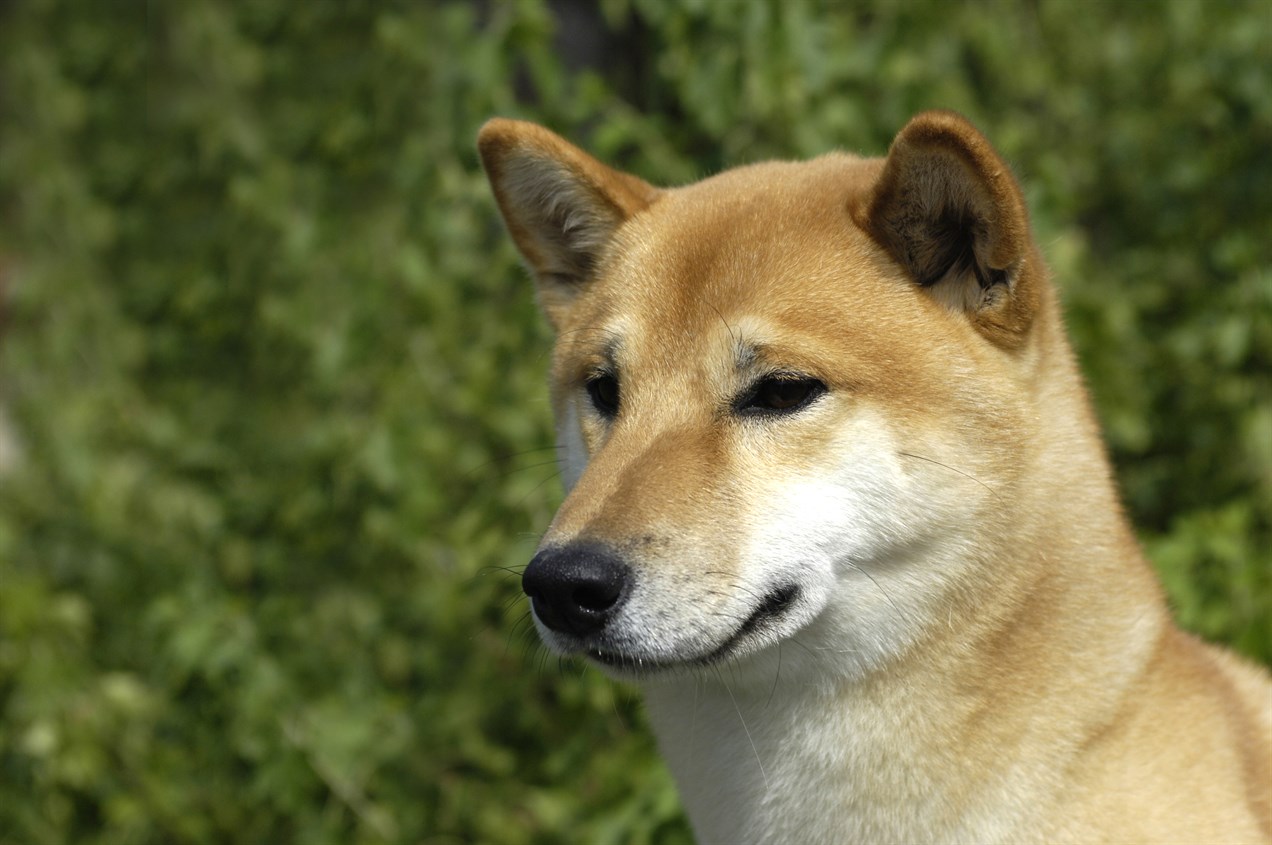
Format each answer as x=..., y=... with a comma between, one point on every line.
x=838, y=502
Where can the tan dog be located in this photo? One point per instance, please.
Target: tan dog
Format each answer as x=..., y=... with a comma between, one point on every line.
x=838, y=502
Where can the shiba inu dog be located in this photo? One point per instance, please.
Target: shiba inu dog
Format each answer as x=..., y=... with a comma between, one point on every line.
x=838, y=502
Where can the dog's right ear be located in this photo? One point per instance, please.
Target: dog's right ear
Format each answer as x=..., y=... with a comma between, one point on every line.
x=560, y=204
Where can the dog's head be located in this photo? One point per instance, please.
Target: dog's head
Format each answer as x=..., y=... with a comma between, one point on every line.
x=791, y=398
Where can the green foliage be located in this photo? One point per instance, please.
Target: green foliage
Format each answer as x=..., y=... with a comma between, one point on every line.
x=276, y=379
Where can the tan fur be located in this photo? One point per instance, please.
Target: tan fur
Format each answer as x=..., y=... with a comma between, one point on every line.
x=911, y=609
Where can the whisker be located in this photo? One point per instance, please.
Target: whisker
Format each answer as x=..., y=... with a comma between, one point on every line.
x=878, y=587
x=517, y=629
x=968, y=476
x=498, y=570
x=727, y=327
x=499, y=459
x=777, y=676
x=747, y=731
x=509, y=473
x=693, y=717
x=806, y=647
x=535, y=489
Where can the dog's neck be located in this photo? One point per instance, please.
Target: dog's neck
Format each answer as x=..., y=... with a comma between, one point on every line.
x=807, y=763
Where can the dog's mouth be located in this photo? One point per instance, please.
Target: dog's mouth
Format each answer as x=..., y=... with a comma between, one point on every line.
x=776, y=605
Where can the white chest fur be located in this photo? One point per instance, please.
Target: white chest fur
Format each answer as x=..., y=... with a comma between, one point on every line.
x=814, y=765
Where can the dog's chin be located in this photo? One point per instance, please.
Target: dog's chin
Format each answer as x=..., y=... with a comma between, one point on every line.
x=773, y=620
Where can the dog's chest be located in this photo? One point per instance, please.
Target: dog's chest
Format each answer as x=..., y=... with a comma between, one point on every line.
x=812, y=769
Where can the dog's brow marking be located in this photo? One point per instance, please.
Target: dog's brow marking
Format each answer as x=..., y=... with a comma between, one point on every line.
x=612, y=347
x=727, y=327
x=744, y=354
x=600, y=330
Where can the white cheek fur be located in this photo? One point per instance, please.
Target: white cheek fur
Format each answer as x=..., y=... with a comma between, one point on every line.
x=850, y=536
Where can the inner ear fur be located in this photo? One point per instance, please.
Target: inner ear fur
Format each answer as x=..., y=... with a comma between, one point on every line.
x=560, y=204
x=948, y=210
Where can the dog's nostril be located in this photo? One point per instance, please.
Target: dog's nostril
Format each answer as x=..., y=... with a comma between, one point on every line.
x=576, y=588
x=598, y=597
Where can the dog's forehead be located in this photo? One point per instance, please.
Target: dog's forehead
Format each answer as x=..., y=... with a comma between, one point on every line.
x=774, y=239
x=749, y=219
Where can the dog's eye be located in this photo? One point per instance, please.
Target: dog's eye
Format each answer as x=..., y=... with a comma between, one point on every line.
x=603, y=388
x=782, y=394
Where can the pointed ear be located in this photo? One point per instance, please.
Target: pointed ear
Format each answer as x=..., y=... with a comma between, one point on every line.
x=561, y=206
x=948, y=210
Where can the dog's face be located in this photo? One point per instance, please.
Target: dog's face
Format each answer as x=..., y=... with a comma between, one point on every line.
x=776, y=391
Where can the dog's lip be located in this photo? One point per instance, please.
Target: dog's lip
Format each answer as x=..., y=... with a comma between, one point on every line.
x=775, y=604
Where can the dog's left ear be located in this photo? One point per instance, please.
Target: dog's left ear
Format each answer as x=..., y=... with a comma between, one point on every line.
x=561, y=205
x=949, y=211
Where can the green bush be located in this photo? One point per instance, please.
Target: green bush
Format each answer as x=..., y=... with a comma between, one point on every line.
x=276, y=379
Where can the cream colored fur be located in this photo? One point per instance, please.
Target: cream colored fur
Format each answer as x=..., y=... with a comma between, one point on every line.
x=909, y=609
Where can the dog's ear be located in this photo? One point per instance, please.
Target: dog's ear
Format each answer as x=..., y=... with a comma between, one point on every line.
x=560, y=204
x=948, y=210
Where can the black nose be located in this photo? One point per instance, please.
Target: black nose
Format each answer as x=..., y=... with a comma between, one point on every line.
x=576, y=589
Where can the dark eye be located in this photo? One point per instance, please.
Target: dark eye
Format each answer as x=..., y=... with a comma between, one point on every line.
x=782, y=394
x=603, y=388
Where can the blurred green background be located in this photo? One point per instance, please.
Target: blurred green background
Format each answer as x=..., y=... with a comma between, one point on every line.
x=275, y=434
